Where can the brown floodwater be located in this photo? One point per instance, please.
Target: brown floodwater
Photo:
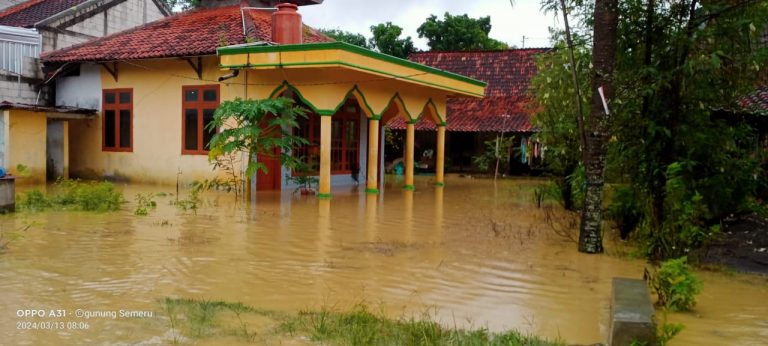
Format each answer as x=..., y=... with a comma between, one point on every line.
x=475, y=254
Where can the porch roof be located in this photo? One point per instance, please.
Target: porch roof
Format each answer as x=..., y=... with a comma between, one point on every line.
x=57, y=112
x=325, y=74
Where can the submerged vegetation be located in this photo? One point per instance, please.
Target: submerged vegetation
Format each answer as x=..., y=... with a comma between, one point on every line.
x=359, y=325
x=68, y=194
x=144, y=203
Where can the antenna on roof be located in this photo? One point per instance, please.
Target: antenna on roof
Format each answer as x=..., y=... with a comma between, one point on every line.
x=242, y=15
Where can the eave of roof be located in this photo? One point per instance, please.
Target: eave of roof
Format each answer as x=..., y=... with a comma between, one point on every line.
x=240, y=57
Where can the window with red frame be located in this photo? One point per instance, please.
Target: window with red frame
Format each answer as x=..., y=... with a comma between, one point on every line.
x=117, y=122
x=199, y=102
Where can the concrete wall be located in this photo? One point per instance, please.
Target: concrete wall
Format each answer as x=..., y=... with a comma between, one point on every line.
x=125, y=15
x=19, y=91
x=26, y=144
x=57, y=150
x=83, y=91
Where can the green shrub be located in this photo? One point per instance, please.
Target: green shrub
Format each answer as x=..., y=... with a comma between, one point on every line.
x=499, y=149
x=75, y=195
x=676, y=285
x=687, y=220
x=33, y=200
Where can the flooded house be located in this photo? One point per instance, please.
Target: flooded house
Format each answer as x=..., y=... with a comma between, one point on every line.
x=156, y=87
x=504, y=111
x=34, y=132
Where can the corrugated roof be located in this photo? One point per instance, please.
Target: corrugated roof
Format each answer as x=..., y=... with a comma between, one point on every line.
x=28, y=13
x=505, y=106
x=193, y=33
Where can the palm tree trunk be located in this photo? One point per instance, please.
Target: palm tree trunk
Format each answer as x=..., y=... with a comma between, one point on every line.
x=603, y=60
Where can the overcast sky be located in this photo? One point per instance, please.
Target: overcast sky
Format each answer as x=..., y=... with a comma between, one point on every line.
x=509, y=23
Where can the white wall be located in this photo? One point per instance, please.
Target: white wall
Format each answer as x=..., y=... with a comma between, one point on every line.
x=83, y=91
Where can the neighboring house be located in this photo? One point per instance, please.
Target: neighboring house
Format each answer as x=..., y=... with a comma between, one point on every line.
x=28, y=28
x=504, y=109
x=156, y=88
x=754, y=112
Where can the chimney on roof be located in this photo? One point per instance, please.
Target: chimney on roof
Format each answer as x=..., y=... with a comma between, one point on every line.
x=286, y=24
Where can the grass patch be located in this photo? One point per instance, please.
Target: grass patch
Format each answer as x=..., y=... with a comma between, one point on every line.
x=201, y=319
x=74, y=195
x=362, y=326
x=356, y=326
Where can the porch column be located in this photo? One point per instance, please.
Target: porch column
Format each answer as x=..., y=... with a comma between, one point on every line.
x=372, y=181
x=440, y=159
x=325, y=157
x=410, y=135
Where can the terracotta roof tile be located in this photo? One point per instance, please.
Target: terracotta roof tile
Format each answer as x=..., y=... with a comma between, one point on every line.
x=491, y=114
x=192, y=33
x=505, y=106
x=28, y=13
x=756, y=102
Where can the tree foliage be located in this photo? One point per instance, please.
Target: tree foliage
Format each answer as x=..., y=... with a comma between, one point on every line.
x=182, y=5
x=386, y=39
x=260, y=128
x=678, y=64
x=459, y=33
x=346, y=36
x=556, y=114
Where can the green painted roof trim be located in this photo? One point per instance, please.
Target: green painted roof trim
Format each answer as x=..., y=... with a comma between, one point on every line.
x=285, y=85
x=344, y=63
x=349, y=48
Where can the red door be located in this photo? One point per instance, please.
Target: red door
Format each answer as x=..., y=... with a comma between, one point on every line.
x=270, y=180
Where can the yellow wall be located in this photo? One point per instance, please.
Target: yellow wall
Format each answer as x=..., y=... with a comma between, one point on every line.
x=157, y=114
x=26, y=145
x=157, y=125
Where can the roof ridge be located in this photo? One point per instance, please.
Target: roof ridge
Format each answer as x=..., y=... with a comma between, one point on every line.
x=194, y=33
x=19, y=7
x=509, y=50
x=176, y=16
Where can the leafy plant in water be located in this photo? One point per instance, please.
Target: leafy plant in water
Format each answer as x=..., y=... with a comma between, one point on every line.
x=676, y=285
x=233, y=180
x=193, y=201
x=304, y=178
x=499, y=149
x=144, y=203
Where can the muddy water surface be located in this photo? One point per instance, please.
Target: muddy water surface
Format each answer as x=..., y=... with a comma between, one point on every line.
x=474, y=254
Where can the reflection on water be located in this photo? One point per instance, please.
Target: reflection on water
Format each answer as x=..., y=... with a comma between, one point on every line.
x=477, y=252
